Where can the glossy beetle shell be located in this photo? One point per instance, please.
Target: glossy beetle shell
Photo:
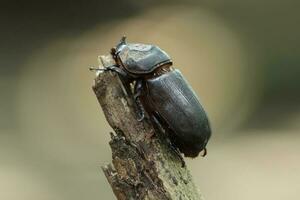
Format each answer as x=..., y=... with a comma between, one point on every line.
x=174, y=100
x=142, y=58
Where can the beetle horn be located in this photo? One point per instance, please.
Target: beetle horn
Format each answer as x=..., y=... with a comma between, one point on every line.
x=123, y=40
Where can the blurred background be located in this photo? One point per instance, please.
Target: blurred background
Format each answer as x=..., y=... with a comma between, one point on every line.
x=241, y=57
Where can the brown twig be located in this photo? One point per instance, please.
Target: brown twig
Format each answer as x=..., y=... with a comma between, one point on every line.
x=144, y=165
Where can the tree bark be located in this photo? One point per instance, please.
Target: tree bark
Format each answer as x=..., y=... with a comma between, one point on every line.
x=144, y=164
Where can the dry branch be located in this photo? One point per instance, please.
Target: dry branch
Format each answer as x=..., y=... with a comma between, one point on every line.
x=144, y=165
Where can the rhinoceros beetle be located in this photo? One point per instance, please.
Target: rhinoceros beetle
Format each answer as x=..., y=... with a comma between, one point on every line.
x=164, y=94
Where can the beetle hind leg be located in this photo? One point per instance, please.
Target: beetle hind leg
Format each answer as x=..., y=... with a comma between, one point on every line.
x=160, y=125
x=177, y=152
x=204, y=152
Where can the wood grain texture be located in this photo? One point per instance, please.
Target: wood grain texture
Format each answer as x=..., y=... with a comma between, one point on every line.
x=143, y=164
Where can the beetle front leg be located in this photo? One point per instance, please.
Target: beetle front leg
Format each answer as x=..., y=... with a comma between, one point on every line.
x=138, y=88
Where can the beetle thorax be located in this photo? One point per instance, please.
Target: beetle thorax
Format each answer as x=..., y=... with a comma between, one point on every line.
x=141, y=59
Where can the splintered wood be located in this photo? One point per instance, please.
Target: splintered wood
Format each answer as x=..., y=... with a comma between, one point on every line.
x=143, y=164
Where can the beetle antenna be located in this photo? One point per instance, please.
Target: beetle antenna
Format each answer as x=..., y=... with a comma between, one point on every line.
x=96, y=69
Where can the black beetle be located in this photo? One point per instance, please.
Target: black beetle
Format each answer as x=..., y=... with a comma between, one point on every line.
x=164, y=94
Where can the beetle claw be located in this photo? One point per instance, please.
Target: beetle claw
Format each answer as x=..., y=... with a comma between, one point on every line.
x=204, y=152
x=142, y=117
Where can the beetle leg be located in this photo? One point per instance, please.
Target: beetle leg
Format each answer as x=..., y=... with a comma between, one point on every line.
x=116, y=69
x=204, y=152
x=157, y=123
x=137, y=93
x=141, y=114
x=155, y=118
x=177, y=152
